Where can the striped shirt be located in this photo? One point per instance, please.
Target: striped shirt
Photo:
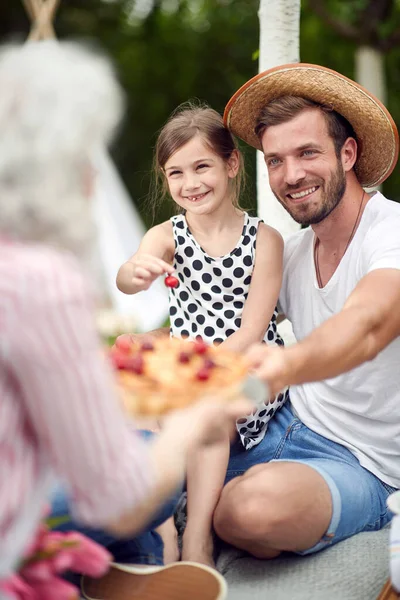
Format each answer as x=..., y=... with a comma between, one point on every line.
x=58, y=409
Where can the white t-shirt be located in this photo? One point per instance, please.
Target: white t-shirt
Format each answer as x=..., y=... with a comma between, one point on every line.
x=359, y=409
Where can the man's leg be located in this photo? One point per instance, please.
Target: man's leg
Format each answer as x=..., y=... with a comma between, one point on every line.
x=311, y=493
x=274, y=507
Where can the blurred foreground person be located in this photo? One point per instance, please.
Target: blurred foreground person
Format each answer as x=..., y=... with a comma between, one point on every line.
x=59, y=413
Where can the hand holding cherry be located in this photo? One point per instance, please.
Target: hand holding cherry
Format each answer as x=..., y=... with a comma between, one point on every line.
x=145, y=269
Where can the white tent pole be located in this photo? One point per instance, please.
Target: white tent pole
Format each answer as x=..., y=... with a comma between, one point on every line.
x=120, y=228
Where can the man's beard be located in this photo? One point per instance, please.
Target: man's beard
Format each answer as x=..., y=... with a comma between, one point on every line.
x=331, y=197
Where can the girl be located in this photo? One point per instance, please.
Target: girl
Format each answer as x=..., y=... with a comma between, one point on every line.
x=226, y=293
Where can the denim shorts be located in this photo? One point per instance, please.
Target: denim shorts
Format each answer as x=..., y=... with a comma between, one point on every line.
x=358, y=496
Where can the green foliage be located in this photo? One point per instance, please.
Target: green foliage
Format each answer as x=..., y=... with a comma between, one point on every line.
x=180, y=50
x=206, y=49
x=321, y=44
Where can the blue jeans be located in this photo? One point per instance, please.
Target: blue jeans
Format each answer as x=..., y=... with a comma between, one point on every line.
x=358, y=496
x=145, y=548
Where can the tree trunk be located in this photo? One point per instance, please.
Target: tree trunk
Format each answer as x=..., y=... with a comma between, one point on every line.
x=279, y=44
x=370, y=72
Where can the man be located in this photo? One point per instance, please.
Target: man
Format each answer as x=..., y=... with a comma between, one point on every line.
x=331, y=455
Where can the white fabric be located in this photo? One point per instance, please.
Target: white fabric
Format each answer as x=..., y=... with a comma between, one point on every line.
x=359, y=409
x=120, y=231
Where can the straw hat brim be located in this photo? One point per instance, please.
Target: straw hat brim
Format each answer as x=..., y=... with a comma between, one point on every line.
x=377, y=135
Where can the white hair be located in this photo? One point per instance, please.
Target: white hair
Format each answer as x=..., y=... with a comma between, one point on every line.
x=59, y=103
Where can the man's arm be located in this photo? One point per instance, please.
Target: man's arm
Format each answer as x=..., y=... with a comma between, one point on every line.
x=368, y=322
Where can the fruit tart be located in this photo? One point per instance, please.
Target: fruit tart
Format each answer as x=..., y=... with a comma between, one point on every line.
x=157, y=376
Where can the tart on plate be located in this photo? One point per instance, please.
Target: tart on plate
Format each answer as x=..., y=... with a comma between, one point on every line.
x=157, y=376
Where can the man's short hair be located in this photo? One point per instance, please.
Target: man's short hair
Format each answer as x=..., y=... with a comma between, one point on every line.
x=285, y=108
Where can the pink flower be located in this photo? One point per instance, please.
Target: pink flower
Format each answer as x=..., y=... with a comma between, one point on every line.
x=17, y=589
x=56, y=588
x=37, y=571
x=89, y=558
x=50, y=554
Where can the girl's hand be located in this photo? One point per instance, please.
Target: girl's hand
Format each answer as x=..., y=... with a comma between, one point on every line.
x=146, y=268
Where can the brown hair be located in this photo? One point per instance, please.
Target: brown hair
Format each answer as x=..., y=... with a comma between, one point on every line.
x=286, y=108
x=187, y=121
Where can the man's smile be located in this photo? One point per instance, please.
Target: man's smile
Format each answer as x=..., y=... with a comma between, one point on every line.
x=302, y=195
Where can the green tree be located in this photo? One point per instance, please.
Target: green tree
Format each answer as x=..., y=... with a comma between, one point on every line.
x=344, y=26
x=181, y=49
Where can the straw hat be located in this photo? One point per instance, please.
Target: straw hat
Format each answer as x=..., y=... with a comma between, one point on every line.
x=377, y=135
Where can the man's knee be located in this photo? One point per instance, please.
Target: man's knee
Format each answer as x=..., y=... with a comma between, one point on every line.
x=249, y=505
x=270, y=499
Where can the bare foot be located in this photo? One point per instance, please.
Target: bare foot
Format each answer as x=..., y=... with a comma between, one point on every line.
x=170, y=538
x=199, y=551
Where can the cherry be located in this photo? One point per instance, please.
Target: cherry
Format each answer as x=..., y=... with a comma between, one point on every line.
x=135, y=364
x=146, y=346
x=203, y=374
x=119, y=360
x=183, y=357
x=171, y=281
x=208, y=363
x=123, y=344
x=200, y=347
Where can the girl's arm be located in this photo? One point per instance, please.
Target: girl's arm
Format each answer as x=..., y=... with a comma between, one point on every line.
x=264, y=290
x=152, y=259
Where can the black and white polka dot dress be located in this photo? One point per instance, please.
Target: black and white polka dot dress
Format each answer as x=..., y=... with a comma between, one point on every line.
x=209, y=301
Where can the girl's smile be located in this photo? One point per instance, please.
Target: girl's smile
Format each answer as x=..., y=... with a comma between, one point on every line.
x=197, y=197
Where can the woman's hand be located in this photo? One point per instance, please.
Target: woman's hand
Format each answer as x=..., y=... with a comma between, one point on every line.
x=205, y=421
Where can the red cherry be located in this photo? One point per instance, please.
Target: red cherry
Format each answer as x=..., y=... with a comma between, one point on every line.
x=119, y=360
x=146, y=346
x=203, y=374
x=200, y=347
x=135, y=364
x=208, y=363
x=171, y=281
x=183, y=357
x=123, y=344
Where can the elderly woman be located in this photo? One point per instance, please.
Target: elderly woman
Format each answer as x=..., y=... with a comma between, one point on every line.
x=59, y=104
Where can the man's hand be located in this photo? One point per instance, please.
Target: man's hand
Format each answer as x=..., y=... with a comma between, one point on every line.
x=270, y=364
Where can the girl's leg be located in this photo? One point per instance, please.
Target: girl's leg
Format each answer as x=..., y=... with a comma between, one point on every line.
x=205, y=479
x=169, y=536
